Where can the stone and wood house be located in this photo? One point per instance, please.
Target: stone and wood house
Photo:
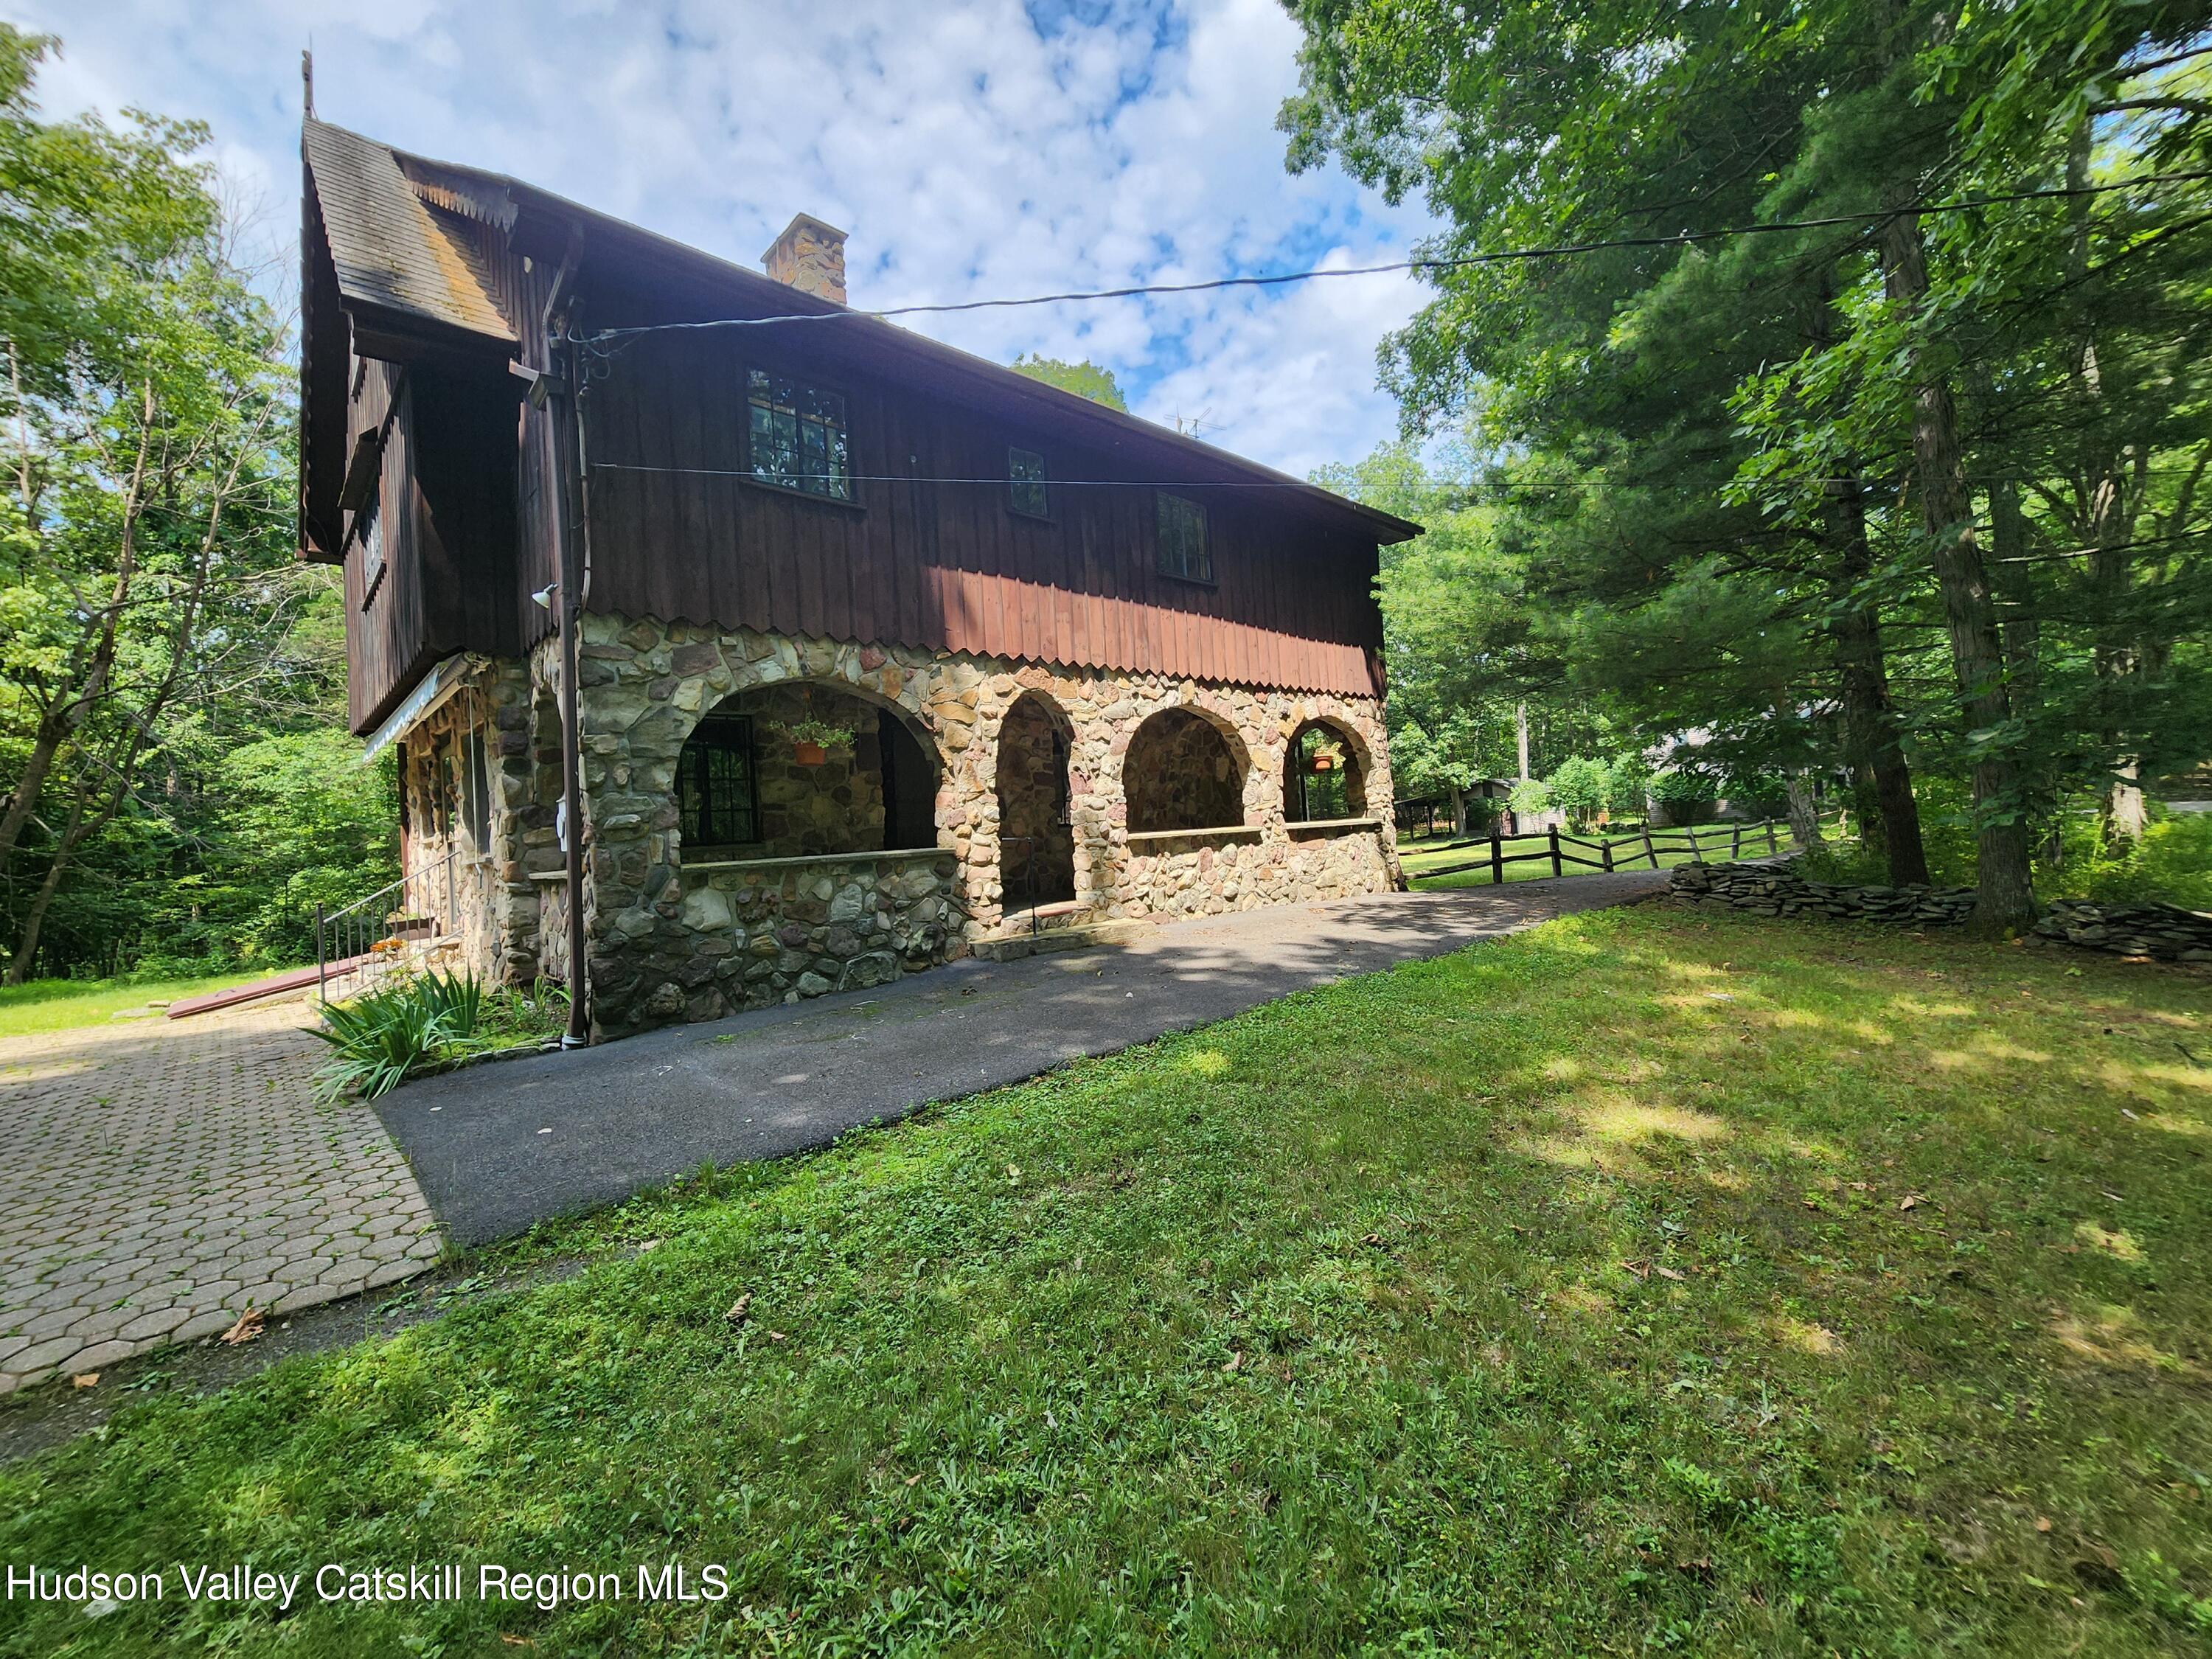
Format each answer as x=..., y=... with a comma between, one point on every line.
x=883, y=653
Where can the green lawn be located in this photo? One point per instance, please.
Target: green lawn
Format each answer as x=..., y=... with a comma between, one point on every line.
x=59, y=1005
x=1655, y=1281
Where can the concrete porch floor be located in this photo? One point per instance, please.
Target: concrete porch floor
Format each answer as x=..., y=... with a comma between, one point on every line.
x=499, y=1148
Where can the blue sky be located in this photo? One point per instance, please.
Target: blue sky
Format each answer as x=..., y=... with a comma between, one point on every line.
x=971, y=149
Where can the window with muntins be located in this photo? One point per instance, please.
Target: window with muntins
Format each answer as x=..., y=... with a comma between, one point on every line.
x=1183, y=551
x=718, y=784
x=1032, y=492
x=797, y=436
x=368, y=529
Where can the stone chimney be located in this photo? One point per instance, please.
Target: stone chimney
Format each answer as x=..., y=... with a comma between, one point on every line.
x=810, y=256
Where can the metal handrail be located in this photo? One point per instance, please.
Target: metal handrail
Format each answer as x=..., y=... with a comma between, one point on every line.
x=355, y=931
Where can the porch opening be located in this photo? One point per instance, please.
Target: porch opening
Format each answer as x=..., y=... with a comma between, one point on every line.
x=1322, y=778
x=1181, y=773
x=801, y=770
x=1037, y=833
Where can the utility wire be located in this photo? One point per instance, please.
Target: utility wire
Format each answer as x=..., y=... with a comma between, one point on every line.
x=1452, y=262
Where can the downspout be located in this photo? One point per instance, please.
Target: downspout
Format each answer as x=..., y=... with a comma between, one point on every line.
x=562, y=360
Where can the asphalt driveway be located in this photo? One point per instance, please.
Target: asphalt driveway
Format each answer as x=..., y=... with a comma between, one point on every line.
x=499, y=1148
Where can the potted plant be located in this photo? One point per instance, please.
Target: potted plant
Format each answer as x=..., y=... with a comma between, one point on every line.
x=811, y=739
x=1326, y=756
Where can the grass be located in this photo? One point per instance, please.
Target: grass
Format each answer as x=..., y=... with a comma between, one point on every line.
x=1655, y=1281
x=61, y=1005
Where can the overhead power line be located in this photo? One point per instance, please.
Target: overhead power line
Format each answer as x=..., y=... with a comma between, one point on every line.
x=1450, y=262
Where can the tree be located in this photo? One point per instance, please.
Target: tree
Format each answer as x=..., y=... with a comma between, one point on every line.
x=1794, y=490
x=151, y=615
x=1085, y=380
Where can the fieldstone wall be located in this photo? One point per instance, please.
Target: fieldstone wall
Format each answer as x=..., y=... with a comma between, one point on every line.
x=1778, y=890
x=485, y=899
x=1040, y=859
x=765, y=932
x=2161, y=931
x=644, y=684
x=1182, y=774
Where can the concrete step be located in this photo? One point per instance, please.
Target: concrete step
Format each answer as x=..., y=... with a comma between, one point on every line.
x=1074, y=936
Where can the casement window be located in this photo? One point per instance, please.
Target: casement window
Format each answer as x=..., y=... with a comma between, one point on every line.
x=797, y=436
x=1031, y=491
x=1183, y=551
x=718, y=784
x=368, y=531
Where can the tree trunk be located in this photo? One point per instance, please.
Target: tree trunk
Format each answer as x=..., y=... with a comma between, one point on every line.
x=1804, y=811
x=2004, y=898
x=35, y=919
x=1521, y=736
x=1458, y=811
x=1872, y=742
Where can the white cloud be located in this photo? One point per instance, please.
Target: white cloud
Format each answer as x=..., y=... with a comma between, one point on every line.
x=970, y=152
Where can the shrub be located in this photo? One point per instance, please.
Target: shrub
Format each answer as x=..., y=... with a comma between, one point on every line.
x=1531, y=797
x=415, y=1025
x=381, y=1038
x=1627, y=783
x=1579, y=788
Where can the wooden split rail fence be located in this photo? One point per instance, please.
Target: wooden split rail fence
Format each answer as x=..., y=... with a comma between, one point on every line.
x=1559, y=848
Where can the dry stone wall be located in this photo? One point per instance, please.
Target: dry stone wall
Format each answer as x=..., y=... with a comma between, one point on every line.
x=2162, y=932
x=1778, y=890
x=644, y=684
x=2159, y=932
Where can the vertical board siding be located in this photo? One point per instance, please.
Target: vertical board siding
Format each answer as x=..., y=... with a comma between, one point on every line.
x=946, y=566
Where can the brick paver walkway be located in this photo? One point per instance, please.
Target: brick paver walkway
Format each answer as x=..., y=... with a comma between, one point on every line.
x=157, y=1177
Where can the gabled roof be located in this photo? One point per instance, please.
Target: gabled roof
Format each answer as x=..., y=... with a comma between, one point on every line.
x=393, y=225
x=391, y=251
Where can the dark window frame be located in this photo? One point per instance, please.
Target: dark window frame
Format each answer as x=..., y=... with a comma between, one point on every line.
x=1016, y=483
x=1172, y=558
x=799, y=388
x=367, y=529
x=699, y=824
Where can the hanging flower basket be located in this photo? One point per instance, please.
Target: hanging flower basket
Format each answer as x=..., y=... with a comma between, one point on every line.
x=1324, y=763
x=811, y=740
x=1326, y=758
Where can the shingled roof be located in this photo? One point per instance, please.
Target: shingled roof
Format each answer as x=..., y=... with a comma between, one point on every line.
x=402, y=232
x=392, y=249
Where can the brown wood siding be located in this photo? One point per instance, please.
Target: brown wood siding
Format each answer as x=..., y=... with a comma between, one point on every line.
x=943, y=565
x=447, y=498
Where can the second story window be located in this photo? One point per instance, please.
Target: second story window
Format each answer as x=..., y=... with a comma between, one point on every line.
x=1032, y=494
x=797, y=436
x=368, y=530
x=1184, y=549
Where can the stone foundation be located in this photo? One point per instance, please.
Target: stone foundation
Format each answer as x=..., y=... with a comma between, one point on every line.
x=675, y=937
x=465, y=782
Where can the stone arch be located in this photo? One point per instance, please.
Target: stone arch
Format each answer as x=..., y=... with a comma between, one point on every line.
x=1185, y=768
x=875, y=791
x=1325, y=771
x=1034, y=789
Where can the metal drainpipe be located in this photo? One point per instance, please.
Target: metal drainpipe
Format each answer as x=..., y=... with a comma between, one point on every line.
x=563, y=362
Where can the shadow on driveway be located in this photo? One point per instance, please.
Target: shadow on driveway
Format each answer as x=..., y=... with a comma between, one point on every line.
x=499, y=1148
